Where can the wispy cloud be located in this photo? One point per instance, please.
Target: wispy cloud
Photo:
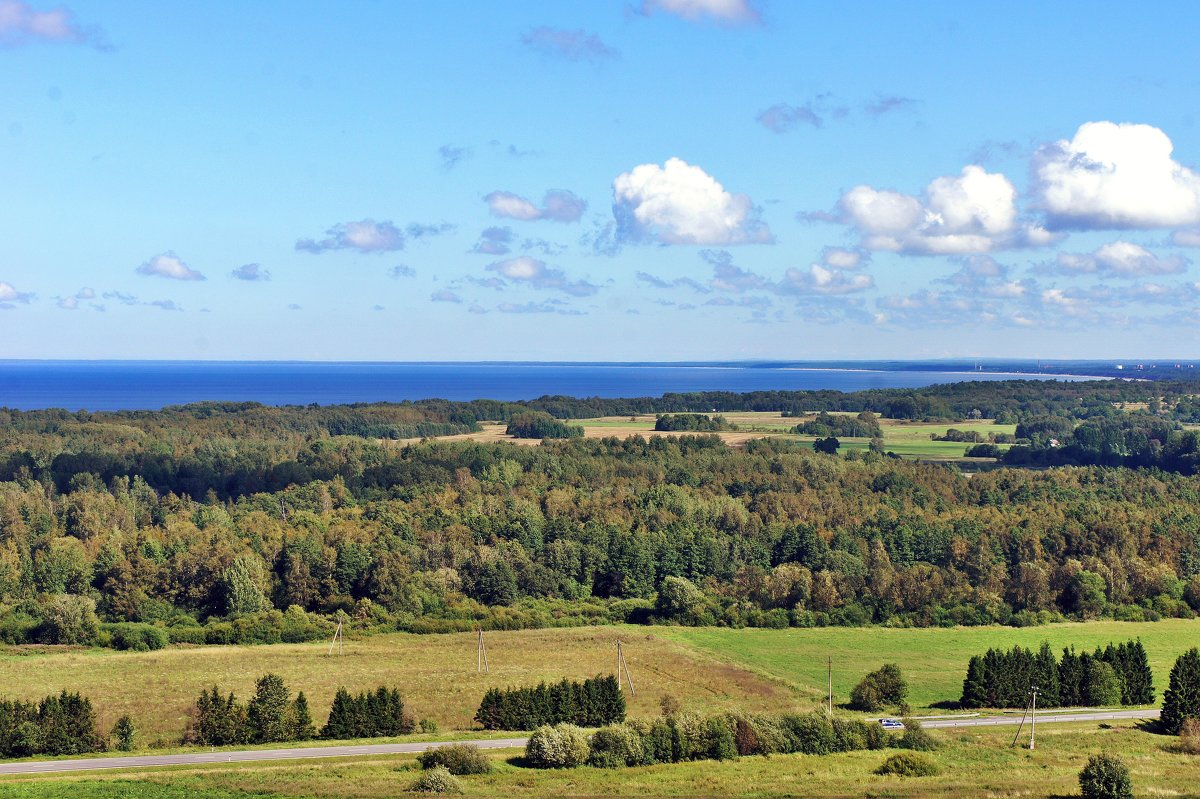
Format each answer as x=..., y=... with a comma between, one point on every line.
x=569, y=45
x=445, y=295
x=533, y=272
x=722, y=12
x=252, y=273
x=451, y=156
x=817, y=111
x=21, y=24
x=402, y=270
x=494, y=241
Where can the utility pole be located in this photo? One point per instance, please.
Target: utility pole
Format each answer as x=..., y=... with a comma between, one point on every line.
x=481, y=664
x=622, y=666
x=337, y=637
x=829, y=677
x=1033, y=720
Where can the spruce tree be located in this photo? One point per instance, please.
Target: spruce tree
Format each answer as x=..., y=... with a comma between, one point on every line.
x=267, y=712
x=974, y=692
x=1181, y=700
x=1045, y=677
x=301, y=719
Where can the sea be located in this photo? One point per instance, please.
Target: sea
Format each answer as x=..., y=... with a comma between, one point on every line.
x=150, y=385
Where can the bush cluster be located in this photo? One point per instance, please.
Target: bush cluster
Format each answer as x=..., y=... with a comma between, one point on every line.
x=536, y=424
x=885, y=687
x=57, y=725
x=271, y=715
x=1105, y=777
x=458, y=759
x=1117, y=674
x=691, y=423
x=437, y=780
x=864, y=425
x=685, y=736
x=372, y=714
x=908, y=764
x=591, y=703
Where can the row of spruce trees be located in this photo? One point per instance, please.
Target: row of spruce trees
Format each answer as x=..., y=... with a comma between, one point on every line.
x=371, y=714
x=57, y=725
x=1116, y=674
x=591, y=703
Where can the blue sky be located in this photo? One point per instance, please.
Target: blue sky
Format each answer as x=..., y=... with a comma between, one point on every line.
x=636, y=179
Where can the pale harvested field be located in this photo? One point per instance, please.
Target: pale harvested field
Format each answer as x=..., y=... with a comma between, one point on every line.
x=436, y=673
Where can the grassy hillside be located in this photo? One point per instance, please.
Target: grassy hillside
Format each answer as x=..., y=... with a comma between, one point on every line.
x=933, y=659
x=436, y=673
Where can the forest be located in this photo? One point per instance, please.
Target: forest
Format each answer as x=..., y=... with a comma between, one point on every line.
x=238, y=522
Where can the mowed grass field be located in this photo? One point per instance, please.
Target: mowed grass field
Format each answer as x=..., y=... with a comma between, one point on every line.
x=436, y=674
x=906, y=439
x=934, y=660
x=972, y=763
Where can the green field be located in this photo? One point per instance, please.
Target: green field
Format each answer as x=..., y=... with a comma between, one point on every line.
x=933, y=659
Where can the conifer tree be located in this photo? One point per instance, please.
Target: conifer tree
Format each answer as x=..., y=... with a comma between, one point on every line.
x=1181, y=700
x=301, y=720
x=974, y=693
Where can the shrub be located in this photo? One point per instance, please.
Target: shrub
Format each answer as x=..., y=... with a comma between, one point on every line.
x=851, y=735
x=1105, y=777
x=721, y=743
x=427, y=726
x=909, y=764
x=560, y=746
x=916, y=737
x=616, y=746
x=457, y=759
x=437, y=780
x=812, y=733
x=884, y=687
x=122, y=734
x=658, y=741
x=1189, y=738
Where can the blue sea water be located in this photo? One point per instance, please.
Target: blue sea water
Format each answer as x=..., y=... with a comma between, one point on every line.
x=139, y=385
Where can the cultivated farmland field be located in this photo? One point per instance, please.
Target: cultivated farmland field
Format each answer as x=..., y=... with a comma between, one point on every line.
x=907, y=439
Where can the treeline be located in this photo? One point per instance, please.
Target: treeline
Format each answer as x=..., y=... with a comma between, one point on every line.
x=273, y=715
x=57, y=725
x=541, y=425
x=691, y=423
x=864, y=425
x=591, y=703
x=1117, y=674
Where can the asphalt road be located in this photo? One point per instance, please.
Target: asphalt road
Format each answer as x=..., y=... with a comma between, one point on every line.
x=298, y=753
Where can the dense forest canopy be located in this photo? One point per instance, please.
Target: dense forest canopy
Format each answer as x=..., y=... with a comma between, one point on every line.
x=231, y=511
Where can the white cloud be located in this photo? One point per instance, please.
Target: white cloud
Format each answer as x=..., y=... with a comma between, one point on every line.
x=20, y=24
x=842, y=258
x=10, y=295
x=972, y=212
x=1186, y=238
x=726, y=12
x=68, y=303
x=1120, y=259
x=678, y=203
x=558, y=205
x=1115, y=176
x=366, y=236
x=819, y=280
x=169, y=265
x=534, y=272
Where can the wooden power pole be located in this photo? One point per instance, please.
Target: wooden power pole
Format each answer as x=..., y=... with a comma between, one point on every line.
x=481, y=664
x=829, y=677
x=623, y=668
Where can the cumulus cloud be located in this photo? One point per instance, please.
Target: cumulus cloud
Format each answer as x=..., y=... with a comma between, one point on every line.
x=534, y=272
x=251, y=273
x=366, y=236
x=570, y=45
x=21, y=24
x=445, y=295
x=1120, y=259
x=169, y=265
x=678, y=203
x=724, y=12
x=494, y=241
x=1115, y=176
x=72, y=303
x=972, y=212
x=842, y=258
x=9, y=295
x=558, y=205
x=819, y=280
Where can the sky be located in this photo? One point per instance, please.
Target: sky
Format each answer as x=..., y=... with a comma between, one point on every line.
x=598, y=180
